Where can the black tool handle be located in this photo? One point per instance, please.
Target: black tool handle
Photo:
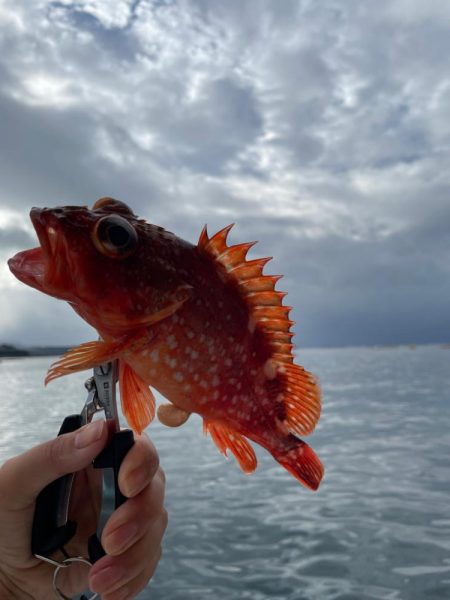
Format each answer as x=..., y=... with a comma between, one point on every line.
x=52, y=502
x=111, y=457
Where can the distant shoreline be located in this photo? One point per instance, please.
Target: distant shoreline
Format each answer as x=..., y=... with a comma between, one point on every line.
x=11, y=351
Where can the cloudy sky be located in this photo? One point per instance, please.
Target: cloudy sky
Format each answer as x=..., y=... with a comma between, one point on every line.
x=322, y=129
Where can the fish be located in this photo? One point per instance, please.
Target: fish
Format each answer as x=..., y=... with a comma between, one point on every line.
x=201, y=324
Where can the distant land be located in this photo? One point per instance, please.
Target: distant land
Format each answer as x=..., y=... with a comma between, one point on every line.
x=8, y=350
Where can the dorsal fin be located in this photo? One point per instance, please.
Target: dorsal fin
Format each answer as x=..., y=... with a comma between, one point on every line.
x=265, y=304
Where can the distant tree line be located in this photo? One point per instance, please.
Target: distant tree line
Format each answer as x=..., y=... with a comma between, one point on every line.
x=9, y=350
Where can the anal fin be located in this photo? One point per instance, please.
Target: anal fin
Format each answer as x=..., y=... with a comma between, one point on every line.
x=138, y=402
x=228, y=439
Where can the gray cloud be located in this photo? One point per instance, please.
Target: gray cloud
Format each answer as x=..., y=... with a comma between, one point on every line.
x=321, y=129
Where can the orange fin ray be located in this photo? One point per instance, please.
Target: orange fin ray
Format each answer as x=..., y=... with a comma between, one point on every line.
x=250, y=269
x=138, y=402
x=301, y=461
x=301, y=396
x=262, y=283
x=228, y=439
x=265, y=304
x=234, y=255
x=218, y=243
x=82, y=357
x=265, y=298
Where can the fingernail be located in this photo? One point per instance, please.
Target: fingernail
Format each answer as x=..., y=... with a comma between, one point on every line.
x=119, y=539
x=106, y=579
x=89, y=434
x=135, y=482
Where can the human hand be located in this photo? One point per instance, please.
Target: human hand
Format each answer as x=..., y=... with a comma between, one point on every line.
x=132, y=536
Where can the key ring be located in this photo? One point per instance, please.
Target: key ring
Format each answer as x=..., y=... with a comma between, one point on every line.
x=64, y=565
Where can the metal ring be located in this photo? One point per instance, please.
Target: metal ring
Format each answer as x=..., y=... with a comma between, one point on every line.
x=66, y=563
x=50, y=561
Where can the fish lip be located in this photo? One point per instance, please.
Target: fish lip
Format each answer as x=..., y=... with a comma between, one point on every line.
x=34, y=267
x=38, y=219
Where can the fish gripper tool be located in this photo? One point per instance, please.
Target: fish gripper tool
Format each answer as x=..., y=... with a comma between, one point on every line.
x=52, y=529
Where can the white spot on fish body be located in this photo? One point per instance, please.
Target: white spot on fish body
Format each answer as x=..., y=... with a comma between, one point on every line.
x=215, y=381
x=216, y=395
x=173, y=363
x=270, y=369
x=154, y=355
x=228, y=362
x=178, y=376
x=190, y=334
x=172, y=342
x=194, y=354
x=204, y=384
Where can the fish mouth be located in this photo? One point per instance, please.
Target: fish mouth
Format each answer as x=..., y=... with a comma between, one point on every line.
x=37, y=267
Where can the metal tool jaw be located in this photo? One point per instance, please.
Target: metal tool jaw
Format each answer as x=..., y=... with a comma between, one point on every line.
x=102, y=394
x=52, y=529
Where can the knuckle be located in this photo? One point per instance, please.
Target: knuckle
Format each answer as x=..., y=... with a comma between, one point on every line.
x=54, y=452
x=162, y=475
x=164, y=518
x=7, y=469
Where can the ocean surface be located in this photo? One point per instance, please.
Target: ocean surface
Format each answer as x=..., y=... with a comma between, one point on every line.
x=378, y=528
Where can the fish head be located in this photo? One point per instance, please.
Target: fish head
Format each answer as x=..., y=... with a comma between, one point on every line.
x=113, y=268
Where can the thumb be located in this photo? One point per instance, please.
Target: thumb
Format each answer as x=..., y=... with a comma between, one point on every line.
x=24, y=476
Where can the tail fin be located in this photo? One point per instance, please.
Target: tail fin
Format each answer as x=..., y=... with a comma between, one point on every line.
x=301, y=461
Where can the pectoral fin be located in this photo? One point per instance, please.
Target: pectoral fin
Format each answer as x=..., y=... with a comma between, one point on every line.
x=85, y=356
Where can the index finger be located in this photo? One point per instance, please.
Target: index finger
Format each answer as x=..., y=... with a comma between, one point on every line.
x=138, y=467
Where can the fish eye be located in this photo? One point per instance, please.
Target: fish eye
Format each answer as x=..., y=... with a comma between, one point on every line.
x=115, y=237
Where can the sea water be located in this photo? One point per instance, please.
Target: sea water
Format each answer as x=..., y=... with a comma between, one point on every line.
x=378, y=528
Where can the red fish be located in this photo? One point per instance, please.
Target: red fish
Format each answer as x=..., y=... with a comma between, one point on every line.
x=201, y=324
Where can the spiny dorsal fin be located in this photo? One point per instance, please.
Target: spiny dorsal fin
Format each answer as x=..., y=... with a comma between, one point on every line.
x=264, y=302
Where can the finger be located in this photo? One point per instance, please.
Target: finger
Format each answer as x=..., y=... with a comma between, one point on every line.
x=113, y=572
x=24, y=476
x=138, y=467
x=136, y=585
x=131, y=520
